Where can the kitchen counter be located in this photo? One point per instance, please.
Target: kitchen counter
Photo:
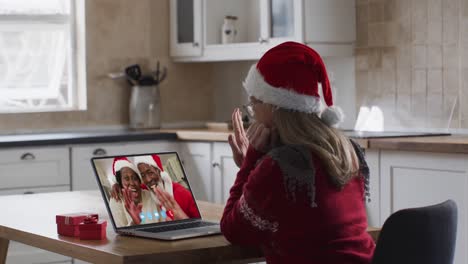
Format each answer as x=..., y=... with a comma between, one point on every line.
x=442, y=144
x=48, y=139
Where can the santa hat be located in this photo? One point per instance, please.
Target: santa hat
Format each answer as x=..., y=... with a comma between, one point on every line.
x=155, y=161
x=288, y=75
x=121, y=162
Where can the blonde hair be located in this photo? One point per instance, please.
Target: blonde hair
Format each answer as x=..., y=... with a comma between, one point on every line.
x=334, y=150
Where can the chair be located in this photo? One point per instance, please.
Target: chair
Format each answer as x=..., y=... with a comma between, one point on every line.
x=424, y=235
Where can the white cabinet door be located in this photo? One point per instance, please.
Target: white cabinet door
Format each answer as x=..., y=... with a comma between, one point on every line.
x=34, y=167
x=224, y=171
x=330, y=26
x=414, y=179
x=186, y=24
x=282, y=20
x=373, y=206
x=83, y=177
x=196, y=158
x=21, y=253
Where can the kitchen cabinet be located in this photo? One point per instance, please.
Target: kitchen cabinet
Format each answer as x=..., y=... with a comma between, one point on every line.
x=186, y=24
x=414, y=179
x=330, y=26
x=260, y=24
x=224, y=171
x=196, y=158
x=373, y=204
x=34, y=167
x=83, y=177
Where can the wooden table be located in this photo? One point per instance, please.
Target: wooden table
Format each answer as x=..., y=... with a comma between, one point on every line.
x=30, y=219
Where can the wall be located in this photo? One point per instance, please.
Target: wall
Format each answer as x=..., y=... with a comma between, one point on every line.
x=120, y=33
x=412, y=61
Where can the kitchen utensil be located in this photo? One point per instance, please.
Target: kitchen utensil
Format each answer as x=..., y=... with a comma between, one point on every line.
x=133, y=72
x=144, y=107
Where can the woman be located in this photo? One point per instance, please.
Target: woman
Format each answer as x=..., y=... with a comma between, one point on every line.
x=136, y=205
x=301, y=187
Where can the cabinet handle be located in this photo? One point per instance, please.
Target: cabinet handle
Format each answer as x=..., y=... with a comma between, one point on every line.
x=262, y=40
x=28, y=156
x=215, y=164
x=99, y=152
x=28, y=192
x=195, y=44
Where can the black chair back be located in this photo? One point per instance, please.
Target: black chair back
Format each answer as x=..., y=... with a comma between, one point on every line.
x=424, y=235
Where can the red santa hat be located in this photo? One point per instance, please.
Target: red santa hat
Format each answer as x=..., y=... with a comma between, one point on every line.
x=121, y=162
x=288, y=76
x=155, y=161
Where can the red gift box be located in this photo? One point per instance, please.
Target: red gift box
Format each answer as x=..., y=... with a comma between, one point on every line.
x=67, y=224
x=93, y=230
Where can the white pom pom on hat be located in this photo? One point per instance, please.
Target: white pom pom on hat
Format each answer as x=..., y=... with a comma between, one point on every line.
x=288, y=75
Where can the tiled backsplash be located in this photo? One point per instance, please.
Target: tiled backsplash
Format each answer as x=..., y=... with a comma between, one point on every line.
x=412, y=61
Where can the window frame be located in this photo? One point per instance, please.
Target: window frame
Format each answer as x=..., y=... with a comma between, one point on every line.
x=75, y=59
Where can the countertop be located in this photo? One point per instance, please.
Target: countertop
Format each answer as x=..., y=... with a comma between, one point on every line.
x=443, y=144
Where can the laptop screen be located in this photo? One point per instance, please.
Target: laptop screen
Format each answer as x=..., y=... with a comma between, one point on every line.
x=145, y=189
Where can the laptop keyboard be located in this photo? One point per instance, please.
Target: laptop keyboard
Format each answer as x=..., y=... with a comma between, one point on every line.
x=159, y=229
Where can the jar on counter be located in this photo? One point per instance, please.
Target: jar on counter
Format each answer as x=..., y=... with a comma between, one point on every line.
x=229, y=30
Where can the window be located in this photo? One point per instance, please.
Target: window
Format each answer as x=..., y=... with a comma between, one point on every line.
x=41, y=55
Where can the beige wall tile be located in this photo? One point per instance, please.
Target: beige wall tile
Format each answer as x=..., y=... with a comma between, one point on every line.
x=419, y=30
x=375, y=59
x=389, y=59
x=362, y=62
x=434, y=31
x=376, y=12
x=450, y=56
x=376, y=34
x=419, y=56
x=464, y=30
x=465, y=8
x=404, y=56
x=391, y=34
x=390, y=10
x=462, y=101
x=419, y=93
x=464, y=56
x=434, y=56
x=434, y=93
x=404, y=36
x=403, y=9
x=362, y=87
x=434, y=9
x=362, y=14
x=450, y=9
x=362, y=33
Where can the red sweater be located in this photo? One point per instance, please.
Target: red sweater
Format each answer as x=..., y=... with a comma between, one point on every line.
x=185, y=200
x=296, y=219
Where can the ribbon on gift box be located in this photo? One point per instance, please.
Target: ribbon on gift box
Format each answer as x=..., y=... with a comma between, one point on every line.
x=90, y=220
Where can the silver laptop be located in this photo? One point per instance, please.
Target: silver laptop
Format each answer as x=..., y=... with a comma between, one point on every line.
x=138, y=211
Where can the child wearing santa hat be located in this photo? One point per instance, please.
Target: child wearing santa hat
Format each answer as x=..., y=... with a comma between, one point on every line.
x=137, y=205
x=302, y=184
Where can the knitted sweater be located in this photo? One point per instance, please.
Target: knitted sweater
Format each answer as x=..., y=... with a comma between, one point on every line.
x=285, y=202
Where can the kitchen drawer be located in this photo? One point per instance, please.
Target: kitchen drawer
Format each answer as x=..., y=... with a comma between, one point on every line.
x=21, y=253
x=83, y=177
x=34, y=167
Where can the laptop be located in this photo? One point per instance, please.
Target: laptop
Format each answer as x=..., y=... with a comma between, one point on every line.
x=152, y=219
